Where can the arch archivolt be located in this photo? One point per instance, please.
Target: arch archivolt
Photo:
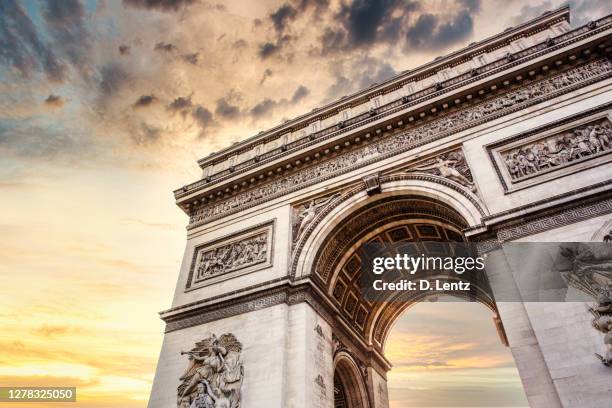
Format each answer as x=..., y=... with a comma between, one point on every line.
x=412, y=207
x=350, y=378
x=457, y=198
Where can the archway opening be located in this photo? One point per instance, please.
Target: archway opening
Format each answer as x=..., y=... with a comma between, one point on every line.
x=447, y=352
x=349, y=386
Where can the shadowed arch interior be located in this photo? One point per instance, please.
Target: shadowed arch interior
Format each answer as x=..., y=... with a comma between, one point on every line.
x=422, y=222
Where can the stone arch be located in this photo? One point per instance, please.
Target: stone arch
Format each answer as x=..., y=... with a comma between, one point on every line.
x=350, y=390
x=461, y=200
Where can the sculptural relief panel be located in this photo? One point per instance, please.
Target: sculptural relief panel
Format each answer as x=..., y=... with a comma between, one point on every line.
x=214, y=374
x=235, y=255
x=560, y=149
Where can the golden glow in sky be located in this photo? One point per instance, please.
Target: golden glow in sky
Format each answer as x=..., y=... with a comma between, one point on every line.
x=105, y=106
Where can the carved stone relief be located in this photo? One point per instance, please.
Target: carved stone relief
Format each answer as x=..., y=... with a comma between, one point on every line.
x=241, y=252
x=406, y=140
x=557, y=149
x=304, y=214
x=451, y=165
x=591, y=272
x=214, y=374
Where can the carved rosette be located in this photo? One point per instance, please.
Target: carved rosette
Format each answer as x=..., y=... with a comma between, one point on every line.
x=214, y=374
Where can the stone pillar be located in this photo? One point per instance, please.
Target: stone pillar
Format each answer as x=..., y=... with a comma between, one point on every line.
x=535, y=375
x=380, y=393
x=263, y=335
x=310, y=368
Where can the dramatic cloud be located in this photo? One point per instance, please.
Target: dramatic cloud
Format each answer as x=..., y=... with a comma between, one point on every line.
x=112, y=78
x=65, y=21
x=54, y=101
x=429, y=32
x=160, y=5
x=282, y=16
x=22, y=48
x=146, y=134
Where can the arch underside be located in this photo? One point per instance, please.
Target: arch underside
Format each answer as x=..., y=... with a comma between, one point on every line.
x=422, y=222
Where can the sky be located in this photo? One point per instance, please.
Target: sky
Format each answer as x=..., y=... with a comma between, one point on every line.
x=105, y=106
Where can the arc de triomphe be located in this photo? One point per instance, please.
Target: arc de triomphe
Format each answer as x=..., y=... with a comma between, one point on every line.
x=508, y=139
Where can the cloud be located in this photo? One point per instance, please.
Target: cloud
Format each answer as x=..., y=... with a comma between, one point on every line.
x=124, y=50
x=226, y=109
x=53, y=331
x=112, y=78
x=159, y=5
x=22, y=48
x=267, y=50
x=65, y=22
x=164, y=47
x=267, y=74
x=191, y=58
x=429, y=32
x=146, y=134
x=263, y=108
x=203, y=117
x=29, y=140
x=300, y=93
x=582, y=11
x=144, y=101
x=54, y=101
x=180, y=104
x=281, y=17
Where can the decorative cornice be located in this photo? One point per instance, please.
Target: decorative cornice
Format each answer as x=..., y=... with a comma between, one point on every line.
x=511, y=101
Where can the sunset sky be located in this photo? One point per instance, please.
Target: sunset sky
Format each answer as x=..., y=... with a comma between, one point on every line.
x=105, y=106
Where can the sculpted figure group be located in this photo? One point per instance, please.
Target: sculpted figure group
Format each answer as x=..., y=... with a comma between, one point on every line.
x=451, y=166
x=558, y=150
x=602, y=321
x=232, y=256
x=214, y=375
